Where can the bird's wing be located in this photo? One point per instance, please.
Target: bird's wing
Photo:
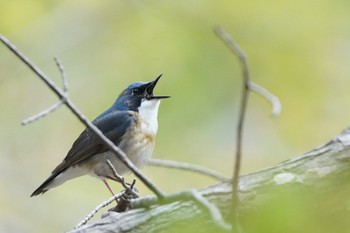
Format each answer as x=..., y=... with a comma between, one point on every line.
x=112, y=125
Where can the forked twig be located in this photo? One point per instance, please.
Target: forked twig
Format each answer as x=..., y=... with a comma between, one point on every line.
x=55, y=106
x=244, y=100
x=61, y=95
x=247, y=85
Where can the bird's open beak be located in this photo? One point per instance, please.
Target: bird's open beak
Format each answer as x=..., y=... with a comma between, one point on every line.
x=149, y=90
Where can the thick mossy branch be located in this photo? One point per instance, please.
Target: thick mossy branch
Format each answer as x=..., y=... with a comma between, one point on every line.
x=321, y=171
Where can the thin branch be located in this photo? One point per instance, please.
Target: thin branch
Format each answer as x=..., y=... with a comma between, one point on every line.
x=212, y=209
x=275, y=102
x=63, y=74
x=61, y=95
x=247, y=85
x=100, y=206
x=43, y=113
x=187, y=167
x=244, y=100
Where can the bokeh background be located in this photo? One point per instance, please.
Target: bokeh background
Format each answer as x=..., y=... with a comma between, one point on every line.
x=299, y=50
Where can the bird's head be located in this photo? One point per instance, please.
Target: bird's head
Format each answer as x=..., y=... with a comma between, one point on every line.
x=137, y=94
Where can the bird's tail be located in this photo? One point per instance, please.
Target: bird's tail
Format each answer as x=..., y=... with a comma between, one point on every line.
x=44, y=186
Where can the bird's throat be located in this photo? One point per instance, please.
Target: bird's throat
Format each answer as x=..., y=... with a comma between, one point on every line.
x=148, y=111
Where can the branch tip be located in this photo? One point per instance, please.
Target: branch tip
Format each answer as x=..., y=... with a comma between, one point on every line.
x=274, y=100
x=63, y=74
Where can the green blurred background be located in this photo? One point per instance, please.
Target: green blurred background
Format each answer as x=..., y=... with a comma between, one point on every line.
x=299, y=50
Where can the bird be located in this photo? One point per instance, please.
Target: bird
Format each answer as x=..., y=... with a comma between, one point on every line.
x=130, y=123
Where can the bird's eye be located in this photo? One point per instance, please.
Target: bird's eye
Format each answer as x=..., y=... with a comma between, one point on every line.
x=136, y=91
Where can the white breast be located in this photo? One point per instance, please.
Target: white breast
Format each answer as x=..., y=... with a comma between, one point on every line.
x=138, y=143
x=148, y=112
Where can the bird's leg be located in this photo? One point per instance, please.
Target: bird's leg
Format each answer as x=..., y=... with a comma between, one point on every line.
x=109, y=188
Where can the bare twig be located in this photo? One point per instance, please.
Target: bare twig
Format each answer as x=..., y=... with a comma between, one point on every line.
x=275, y=102
x=212, y=209
x=247, y=85
x=244, y=100
x=187, y=167
x=43, y=113
x=63, y=75
x=100, y=206
x=61, y=95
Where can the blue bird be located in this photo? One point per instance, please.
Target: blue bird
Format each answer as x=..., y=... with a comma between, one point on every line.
x=130, y=123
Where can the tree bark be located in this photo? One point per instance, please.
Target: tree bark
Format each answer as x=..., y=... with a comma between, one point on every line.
x=316, y=170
